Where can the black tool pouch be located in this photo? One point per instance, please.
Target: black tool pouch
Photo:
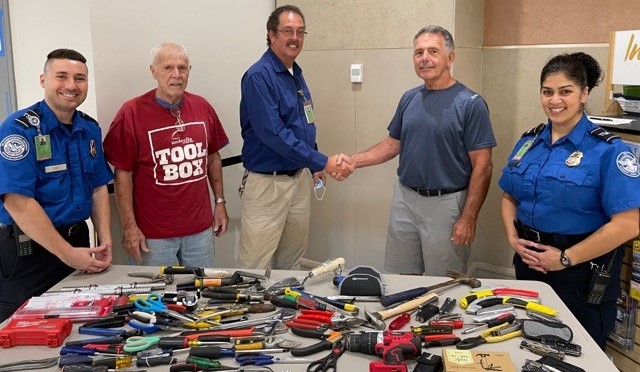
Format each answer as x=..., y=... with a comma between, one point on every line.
x=559, y=364
x=362, y=281
x=541, y=330
x=428, y=363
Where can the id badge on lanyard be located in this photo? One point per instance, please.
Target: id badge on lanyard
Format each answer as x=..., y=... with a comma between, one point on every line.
x=308, y=111
x=43, y=147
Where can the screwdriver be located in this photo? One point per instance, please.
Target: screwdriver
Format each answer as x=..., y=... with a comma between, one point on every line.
x=454, y=323
x=197, y=271
x=109, y=362
x=211, y=352
x=503, y=318
x=176, y=342
x=432, y=330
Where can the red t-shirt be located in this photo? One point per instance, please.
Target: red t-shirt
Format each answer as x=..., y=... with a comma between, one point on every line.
x=169, y=165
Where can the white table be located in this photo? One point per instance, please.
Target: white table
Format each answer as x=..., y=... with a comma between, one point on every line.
x=592, y=359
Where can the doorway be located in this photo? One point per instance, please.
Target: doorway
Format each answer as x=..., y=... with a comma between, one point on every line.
x=7, y=79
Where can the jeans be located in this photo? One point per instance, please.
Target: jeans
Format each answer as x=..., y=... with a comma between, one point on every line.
x=195, y=250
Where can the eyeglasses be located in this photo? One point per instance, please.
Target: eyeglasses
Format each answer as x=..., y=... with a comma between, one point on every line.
x=289, y=32
x=175, y=111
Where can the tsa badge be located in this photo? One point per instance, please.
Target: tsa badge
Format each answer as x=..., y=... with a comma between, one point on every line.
x=628, y=164
x=92, y=149
x=574, y=159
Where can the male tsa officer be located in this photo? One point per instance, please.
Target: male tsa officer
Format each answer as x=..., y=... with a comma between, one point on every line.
x=53, y=177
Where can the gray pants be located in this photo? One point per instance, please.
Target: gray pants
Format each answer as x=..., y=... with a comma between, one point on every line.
x=419, y=234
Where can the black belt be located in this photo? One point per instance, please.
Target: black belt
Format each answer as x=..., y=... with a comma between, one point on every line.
x=434, y=192
x=64, y=230
x=70, y=230
x=289, y=173
x=562, y=241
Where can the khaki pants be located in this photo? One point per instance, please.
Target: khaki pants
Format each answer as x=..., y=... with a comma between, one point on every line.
x=274, y=227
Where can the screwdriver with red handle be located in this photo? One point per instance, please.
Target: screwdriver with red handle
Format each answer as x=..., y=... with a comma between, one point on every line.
x=502, y=318
x=453, y=323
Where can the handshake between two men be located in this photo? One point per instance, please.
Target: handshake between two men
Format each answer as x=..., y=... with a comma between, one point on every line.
x=340, y=166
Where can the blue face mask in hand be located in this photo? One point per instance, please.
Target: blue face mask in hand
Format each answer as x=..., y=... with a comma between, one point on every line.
x=319, y=188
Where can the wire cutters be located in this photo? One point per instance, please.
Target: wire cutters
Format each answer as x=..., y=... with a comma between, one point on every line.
x=328, y=337
x=259, y=359
x=502, y=332
x=330, y=362
x=153, y=277
x=313, y=319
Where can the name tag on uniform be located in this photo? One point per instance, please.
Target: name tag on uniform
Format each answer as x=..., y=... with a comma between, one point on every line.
x=55, y=168
x=308, y=111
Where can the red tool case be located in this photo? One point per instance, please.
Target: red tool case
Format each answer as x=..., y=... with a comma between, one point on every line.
x=50, y=332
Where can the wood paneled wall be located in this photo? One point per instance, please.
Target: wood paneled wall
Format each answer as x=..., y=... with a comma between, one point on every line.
x=526, y=22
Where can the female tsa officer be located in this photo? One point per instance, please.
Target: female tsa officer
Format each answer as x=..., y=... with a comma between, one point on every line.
x=571, y=198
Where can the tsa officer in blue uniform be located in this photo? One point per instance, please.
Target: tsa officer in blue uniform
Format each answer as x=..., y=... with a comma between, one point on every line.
x=53, y=177
x=571, y=198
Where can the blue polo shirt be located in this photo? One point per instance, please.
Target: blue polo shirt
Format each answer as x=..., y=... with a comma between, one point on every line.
x=273, y=124
x=64, y=184
x=558, y=194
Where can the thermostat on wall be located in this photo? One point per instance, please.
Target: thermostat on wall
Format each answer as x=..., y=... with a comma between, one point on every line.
x=356, y=73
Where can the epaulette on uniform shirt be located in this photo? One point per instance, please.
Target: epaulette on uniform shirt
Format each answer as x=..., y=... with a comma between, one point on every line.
x=88, y=118
x=534, y=131
x=603, y=134
x=29, y=118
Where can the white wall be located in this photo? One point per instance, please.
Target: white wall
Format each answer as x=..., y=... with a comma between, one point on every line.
x=224, y=37
x=40, y=26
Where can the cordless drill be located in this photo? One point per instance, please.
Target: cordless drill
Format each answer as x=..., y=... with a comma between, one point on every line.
x=392, y=347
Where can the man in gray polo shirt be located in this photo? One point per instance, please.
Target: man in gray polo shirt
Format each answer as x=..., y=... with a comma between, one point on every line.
x=443, y=134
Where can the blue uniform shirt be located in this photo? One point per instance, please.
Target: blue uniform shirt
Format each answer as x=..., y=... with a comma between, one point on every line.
x=64, y=184
x=273, y=124
x=556, y=195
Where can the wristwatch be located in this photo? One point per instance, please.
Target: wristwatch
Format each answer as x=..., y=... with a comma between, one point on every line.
x=220, y=201
x=564, y=260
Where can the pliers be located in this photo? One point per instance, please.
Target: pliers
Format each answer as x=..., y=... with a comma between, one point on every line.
x=317, y=319
x=328, y=340
x=153, y=277
x=502, y=332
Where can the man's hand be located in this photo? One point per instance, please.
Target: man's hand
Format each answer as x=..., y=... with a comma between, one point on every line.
x=220, y=219
x=133, y=242
x=339, y=166
x=83, y=258
x=106, y=254
x=464, y=231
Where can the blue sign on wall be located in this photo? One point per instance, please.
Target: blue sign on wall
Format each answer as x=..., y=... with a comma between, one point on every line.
x=1, y=34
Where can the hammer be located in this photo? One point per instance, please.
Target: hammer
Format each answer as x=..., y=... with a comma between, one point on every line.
x=458, y=278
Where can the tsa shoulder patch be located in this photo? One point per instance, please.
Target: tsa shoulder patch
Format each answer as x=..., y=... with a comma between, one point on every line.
x=14, y=147
x=628, y=164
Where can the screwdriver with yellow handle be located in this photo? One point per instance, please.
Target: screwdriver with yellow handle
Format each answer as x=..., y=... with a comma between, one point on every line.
x=351, y=308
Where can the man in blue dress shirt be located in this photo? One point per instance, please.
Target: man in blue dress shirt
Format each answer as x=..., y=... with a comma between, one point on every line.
x=279, y=132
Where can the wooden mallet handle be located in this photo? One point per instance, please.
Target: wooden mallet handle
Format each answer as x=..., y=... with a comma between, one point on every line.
x=404, y=307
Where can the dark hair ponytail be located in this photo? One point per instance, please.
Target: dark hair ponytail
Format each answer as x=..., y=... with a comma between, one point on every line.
x=579, y=67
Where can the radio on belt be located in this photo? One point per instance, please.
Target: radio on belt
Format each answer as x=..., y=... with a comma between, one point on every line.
x=50, y=332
